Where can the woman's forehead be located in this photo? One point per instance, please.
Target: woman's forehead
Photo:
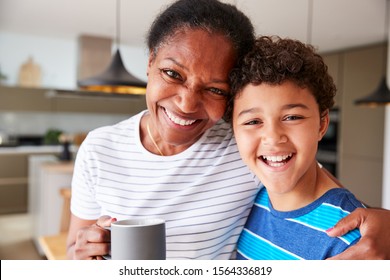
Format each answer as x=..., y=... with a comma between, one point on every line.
x=178, y=35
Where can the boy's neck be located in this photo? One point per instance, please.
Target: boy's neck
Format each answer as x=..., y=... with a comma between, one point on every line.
x=315, y=184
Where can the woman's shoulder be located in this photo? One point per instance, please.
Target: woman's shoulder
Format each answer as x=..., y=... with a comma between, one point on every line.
x=220, y=129
x=123, y=125
x=121, y=129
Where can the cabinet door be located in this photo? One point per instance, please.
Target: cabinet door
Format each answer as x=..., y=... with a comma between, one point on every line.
x=13, y=196
x=362, y=133
x=13, y=166
x=13, y=183
x=73, y=102
x=23, y=99
x=333, y=61
x=45, y=100
x=362, y=137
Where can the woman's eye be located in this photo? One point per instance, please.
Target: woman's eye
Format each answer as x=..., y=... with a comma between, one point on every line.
x=172, y=74
x=218, y=91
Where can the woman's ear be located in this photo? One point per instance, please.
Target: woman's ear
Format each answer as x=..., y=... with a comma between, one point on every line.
x=324, y=123
x=150, y=60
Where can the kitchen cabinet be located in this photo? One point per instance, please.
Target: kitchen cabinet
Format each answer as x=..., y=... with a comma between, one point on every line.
x=13, y=183
x=357, y=72
x=335, y=68
x=47, y=100
x=361, y=161
x=13, y=195
x=47, y=175
x=14, y=176
x=24, y=99
x=101, y=103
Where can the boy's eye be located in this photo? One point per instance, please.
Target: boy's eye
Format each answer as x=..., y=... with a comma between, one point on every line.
x=252, y=122
x=293, y=118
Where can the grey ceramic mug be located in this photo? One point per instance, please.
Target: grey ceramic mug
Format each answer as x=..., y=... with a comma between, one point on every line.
x=138, y=239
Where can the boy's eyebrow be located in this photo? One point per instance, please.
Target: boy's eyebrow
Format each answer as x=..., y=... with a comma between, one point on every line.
x=248, y=111
x=294, y=105
x=284, y=107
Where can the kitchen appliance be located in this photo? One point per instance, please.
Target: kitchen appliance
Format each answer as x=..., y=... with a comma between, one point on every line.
x=6, y=140
x=327, y=148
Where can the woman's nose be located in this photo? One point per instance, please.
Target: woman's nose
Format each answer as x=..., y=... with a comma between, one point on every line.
x=189, y=99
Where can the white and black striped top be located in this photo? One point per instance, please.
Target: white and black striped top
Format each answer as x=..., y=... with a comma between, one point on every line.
x=204, y=193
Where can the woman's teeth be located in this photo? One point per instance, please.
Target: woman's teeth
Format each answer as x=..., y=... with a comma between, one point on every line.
x=177, y=120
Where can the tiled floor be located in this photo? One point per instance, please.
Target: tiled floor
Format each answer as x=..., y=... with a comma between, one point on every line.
x=16, y=238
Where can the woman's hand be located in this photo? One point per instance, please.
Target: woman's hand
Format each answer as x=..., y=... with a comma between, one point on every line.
x=374, y=226
x=89, y=241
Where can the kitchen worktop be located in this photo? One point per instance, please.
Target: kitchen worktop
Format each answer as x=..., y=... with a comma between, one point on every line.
x=60, y=167
x=34, y=149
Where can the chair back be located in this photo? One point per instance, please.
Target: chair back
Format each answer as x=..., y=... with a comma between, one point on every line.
x=65, y=215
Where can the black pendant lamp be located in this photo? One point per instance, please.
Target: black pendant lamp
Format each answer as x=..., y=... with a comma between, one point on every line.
x=381, y=96
x=115, y=79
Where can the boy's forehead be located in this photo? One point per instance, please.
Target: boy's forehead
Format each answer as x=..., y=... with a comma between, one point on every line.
x=288, y=95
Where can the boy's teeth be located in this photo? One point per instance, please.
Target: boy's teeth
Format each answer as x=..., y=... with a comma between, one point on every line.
x=277, y=158
x=177, y=120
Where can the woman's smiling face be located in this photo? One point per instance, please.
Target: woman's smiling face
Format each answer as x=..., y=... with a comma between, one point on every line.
x=188, y=85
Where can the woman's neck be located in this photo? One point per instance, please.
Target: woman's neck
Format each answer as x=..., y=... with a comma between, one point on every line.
x=152, y=141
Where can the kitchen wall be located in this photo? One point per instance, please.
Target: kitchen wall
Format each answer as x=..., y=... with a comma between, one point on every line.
x=57, y=59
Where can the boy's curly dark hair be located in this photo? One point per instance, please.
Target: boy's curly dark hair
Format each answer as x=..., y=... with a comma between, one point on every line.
x=274, y=60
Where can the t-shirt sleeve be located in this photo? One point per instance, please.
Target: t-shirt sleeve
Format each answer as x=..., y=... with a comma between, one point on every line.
x=83, y=202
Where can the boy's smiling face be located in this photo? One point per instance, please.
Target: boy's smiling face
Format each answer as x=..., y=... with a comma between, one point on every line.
x=277, y=128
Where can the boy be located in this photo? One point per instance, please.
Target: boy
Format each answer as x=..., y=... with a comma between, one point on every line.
x=280, y=111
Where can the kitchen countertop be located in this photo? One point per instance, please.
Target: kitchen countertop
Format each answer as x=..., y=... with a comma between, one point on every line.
x=59, y=167
x=34, y=149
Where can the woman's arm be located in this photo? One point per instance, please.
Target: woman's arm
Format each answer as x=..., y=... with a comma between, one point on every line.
x=374, y=226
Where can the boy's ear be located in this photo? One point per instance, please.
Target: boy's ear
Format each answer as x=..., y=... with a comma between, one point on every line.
x=324, y=123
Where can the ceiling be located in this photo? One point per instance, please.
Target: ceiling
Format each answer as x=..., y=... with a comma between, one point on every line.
x=335, y=24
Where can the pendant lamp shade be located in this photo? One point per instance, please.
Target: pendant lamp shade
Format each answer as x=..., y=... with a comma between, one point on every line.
x=381, y=96
x=115, y=79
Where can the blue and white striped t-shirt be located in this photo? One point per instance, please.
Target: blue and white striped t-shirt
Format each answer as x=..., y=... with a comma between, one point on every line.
x=204, y=193
x=298, y=234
